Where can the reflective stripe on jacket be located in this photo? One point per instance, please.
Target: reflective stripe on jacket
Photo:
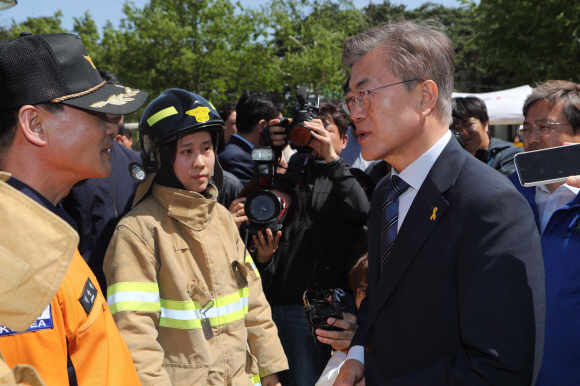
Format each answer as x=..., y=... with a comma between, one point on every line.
x=174, y=262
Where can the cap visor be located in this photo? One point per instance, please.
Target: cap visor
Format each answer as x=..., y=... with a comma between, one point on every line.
x=110, y=99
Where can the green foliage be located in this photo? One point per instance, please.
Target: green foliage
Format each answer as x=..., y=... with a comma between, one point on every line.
x=307, y=41
x=38, y=25
x=86, y=29
x=218, y=49
x=198, y=45
x=529, y=41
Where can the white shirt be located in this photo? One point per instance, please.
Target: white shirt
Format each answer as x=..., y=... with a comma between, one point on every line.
x=548, y=203
x=414, y=175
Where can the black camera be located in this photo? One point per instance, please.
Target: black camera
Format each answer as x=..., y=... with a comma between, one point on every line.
x=305, y=110
x=319, y=306
x=262, y=207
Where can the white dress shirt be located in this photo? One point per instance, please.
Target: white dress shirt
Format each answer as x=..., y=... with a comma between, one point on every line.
x=548, y=203
x=414, y=175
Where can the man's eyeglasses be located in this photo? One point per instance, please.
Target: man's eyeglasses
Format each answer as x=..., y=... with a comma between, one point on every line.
x=467, y=126
x=363, y=97
x=542, y=128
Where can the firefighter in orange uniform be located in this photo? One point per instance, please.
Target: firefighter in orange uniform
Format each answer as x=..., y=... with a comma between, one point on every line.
x=54, y=132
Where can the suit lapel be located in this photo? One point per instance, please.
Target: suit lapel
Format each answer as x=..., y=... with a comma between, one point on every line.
x=419, y=222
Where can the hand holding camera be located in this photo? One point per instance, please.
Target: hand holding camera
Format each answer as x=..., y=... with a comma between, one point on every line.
x=267, y=245
x=323, y=145
x=339, y=340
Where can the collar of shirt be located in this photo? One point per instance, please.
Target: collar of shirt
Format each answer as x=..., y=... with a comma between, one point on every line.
x=415, y=175
x=243, y=139
x=547, y=203
x=572, y=189
x=39, y=198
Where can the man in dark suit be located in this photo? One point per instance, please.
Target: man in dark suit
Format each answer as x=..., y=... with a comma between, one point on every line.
x=253, y=111
x=455, y=279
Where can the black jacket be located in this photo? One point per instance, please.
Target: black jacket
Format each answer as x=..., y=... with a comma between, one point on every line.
x=499, y=155
x=319, y=235
x=460, y=300
x=97, y=205
x=237, y=159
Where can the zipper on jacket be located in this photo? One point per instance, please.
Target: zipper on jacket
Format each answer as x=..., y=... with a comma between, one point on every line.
x=113, y=195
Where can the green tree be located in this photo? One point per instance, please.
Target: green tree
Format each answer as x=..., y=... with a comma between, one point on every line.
x=197, y=45
x=458, y=23
x=86, y=29
x=306, y=43
x=38, y=25
x=529, y=41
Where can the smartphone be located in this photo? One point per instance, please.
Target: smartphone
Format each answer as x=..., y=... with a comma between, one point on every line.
x=548, y=166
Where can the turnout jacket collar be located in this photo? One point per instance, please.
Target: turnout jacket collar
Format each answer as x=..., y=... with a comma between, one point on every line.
x=192, y=209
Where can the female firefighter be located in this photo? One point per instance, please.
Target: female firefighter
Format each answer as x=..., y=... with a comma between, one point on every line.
x=182, y=288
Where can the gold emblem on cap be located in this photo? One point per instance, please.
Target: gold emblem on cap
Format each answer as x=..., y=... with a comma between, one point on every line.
x=90, y=61
x=201, y=114
x=118, y=100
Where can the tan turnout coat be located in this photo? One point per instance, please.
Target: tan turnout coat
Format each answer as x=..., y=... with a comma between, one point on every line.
x=174, y=261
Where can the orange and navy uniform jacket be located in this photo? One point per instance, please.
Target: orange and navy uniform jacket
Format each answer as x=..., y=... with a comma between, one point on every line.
x=75, y=340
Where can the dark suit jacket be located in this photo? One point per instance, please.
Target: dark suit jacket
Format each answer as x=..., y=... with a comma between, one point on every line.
x=455, y=302
x=237, y=159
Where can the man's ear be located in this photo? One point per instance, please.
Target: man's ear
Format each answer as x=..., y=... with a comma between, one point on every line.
x=260, y=125
x=32, y=123
x=344, y=141
x=486, y=126
x=429, y=94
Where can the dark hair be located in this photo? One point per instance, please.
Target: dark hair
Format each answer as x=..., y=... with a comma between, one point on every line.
x=253, y=107
x=111, y=78
x=127, y=133
x=469, y=107
x=330, y=110
x=554, y=92
x=9, y=120
x=358, y=273
x=122, y=130
x=226, y=110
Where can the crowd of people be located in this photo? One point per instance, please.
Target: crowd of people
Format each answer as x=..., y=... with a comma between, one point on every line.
x=150, y=268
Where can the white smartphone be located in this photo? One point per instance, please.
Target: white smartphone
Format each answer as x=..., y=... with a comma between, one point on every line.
x=548, y=166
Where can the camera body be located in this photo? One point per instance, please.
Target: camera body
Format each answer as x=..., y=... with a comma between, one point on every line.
x=263, y=208
x=305, y=110
x=319, y=306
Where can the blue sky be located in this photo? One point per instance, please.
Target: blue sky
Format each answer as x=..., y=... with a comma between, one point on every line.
x=103, y=10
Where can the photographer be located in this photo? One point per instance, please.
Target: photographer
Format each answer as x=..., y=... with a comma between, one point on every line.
x=325, y=218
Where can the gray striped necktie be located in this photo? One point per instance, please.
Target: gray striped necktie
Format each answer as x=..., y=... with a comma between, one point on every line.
x=395, y=188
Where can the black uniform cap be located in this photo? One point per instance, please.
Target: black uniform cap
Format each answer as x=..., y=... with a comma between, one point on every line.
x=56, y=68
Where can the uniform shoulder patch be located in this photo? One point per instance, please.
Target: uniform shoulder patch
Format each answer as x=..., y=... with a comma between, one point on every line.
x=88, y=296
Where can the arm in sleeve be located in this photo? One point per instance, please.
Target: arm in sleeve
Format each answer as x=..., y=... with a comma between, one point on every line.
x=353, y=200
x=500, y=279
x=262, y=332
x=133, y=297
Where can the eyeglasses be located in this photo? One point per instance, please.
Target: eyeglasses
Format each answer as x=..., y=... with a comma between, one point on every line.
x=542, y=128
x=363, y=97
x=467, y=126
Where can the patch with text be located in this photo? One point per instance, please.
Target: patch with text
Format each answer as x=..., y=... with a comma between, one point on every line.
x=88, y=296
x=43, y=322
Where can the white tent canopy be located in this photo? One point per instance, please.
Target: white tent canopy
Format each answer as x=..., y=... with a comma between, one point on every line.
x=503, y=107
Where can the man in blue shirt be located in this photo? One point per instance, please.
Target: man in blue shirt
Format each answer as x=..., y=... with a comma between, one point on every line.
x=552, y=117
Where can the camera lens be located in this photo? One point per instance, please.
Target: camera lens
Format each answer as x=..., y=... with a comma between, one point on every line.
x=300, y=136
x=262, y=208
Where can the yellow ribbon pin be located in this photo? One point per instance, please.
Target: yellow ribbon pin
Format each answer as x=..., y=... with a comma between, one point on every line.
x=434, y=216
